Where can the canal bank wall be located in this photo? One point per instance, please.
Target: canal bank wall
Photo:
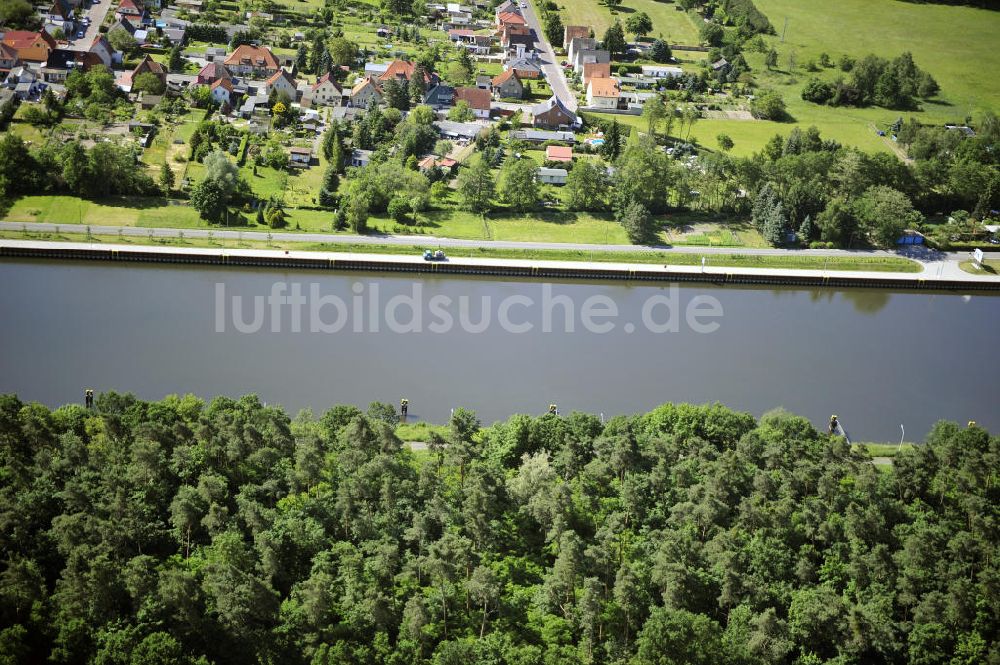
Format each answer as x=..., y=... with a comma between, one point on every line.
x=513, y=268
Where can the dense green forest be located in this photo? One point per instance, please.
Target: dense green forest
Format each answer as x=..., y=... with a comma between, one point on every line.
x=228, y=532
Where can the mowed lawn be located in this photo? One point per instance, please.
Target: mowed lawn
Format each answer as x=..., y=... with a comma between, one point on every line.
x=153, y=212
x=677, y=27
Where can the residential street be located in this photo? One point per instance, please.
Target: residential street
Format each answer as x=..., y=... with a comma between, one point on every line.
x=96, y=12
x=550, y=64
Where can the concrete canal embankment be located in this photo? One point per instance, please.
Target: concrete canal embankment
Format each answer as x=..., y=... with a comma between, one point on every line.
x=514, y=268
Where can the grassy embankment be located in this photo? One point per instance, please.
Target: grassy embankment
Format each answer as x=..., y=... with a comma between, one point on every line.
x=990, y=267
x=735, y=260
x=554, y=226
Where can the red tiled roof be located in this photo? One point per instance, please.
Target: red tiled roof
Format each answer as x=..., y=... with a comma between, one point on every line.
x=559, y=153
x=364, y=83
x=604, y=87
x=149, y=65
x=19, y=39
x=401, y=69
x=214, y=70
x=281, y=74
x=503, y=77
x=325, y=78
x=596, y=70
x=252, y=55
x=476, y=98
x=511, y=17
x=222, y=83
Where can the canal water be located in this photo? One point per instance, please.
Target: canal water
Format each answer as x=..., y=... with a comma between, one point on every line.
x=879, y=360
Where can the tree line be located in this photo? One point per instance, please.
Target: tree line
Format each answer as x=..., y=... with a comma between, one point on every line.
x=184, y=532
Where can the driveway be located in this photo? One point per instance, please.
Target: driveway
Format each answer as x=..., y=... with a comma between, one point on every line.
x=550, y=64
x=96, y=12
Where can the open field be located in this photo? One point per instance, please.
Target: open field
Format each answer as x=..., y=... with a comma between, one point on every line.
x=677, y=27
x=955, y=44
x=735, y=260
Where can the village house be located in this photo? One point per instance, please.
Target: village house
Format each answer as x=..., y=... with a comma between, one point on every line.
x=509, y=18
x=375, y=69
x=325, y=92
x=440, y=96
x=571, y=32
x=661, y=71
x=366, y=92
x=175, y=34
x=446, y=164
x=552, y=176
x=588, y=56
x=484, y=82
x=8, y=58
x=477, y=99
x=282, y=83
x=59, y=17
x=148, y=65
x=222, y=92
x=256, y=106
x=402, y=71
x=476, y=44
x=603, y=93
x=191, y=6
x=61, y=62
x=526, y=68
x=458, y=15
x=595, y=70
x=462, y=36
x=580, y=44
x=300, y=156
x=248, y=60
x=510, y=31
x=360, y=158
x=23, y=81
x=506, y=7
x=102, y=49
x=552, y=114
x=122, y=25
x=131, y=9
x=212, y=72
x=30, y=46
x=508, y=85
x=542, y=135
x=558, y=153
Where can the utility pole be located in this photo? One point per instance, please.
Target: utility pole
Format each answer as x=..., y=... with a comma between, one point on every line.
x=783, y=30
